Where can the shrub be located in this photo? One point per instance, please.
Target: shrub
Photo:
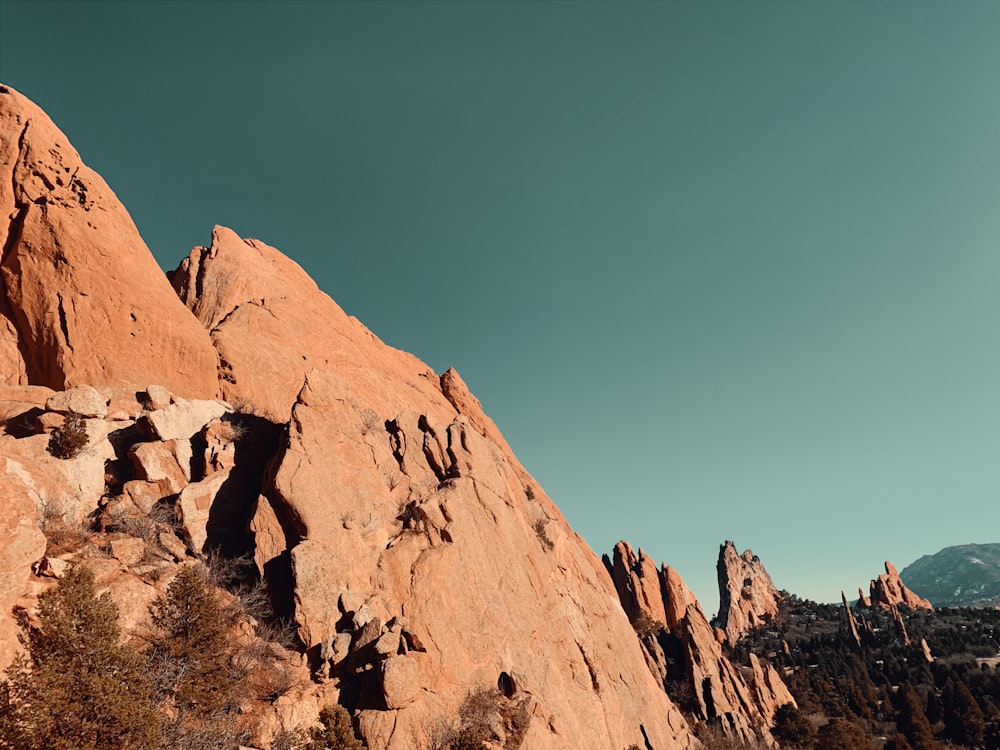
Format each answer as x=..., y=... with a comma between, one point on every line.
x=542, y=534
x=192, y=646
x=645, y=625
x=337, y=732
x=78, y=687
x=69, y=440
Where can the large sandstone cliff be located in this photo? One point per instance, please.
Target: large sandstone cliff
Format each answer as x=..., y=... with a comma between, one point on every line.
x=81, y=298
x=418, y=558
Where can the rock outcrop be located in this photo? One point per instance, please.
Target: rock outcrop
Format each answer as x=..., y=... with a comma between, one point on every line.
x=82, y=301
x=748, y=598
x=684, y=654
x=888, y=591
x=417, y=558
x=852, y=623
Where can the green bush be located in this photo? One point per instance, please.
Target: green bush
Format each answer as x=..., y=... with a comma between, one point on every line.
x=192, y=646
x=78, y=688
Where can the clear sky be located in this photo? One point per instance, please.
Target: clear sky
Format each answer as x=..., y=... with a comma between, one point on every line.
x=718, y=270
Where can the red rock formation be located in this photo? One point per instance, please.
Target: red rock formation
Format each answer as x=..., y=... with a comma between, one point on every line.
x=638, y=584
x=718, y=691
x=852, y=624
x=863, y=601
x=81, y=298
x=888, y=590
x=420, y=560
x=748, y=597
x=261, y=310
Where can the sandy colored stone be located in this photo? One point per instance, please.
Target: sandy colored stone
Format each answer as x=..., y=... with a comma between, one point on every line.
x=184, y=418
x=400, y=681
x=677, y=597
x=721, y=690
x=157, y=397
x=174, y=546
x=144, y=495
x=81, y=296
x=156, y=462
x=82, y=399
x=553, y=617
x=194, y=506
x=128, y=551
x=21, y=545
x=748, y=598
x=48, y=421
x=258, y=304
x=888, y=590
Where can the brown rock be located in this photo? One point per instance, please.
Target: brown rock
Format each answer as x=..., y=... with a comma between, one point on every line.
x=637, y=583
x=888, y=590
x=677, y=597
x=48, y=421
x=446, y=561
x=748, y=598
x=928, y=656
x=21, y=545
x=158, y=397
x=852, y=624
x=172, y=545
x=82, y=399
x=401, y=681
x=184, y=418
x=128, y=551
x=718, y=689
x=81, y=296
x=157, y=462
x=258, y=304
x=194, y=507
x=144, y=495
x=863, y=601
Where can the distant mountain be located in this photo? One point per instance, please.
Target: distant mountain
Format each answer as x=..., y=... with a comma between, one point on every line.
x=961, y=576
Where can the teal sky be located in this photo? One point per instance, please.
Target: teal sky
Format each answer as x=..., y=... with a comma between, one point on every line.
x=718, y=270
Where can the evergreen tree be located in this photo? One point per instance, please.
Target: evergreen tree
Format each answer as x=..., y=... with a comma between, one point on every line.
x=963, y=719
x=192, y=646
x=898, y=743
x=792, y=727
x=842, y=734
x=78, y=688
x=911, y=721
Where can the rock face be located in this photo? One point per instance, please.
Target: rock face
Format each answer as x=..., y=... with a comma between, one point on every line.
x=406, y=519
x=685, y=655
x=416, y=556
x=261, y=310
x=82, y=301
x=748, y=597
x=889, y=591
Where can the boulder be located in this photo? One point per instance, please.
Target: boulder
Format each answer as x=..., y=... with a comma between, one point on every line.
x=82, y=399
x=184, y=418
